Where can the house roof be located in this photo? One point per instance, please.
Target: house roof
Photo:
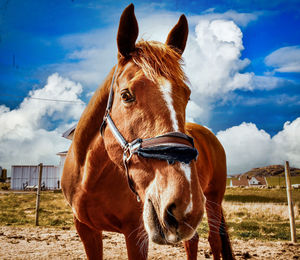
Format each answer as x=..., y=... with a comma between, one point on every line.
x=241, y=181
x=62, y=153
x=69, y=133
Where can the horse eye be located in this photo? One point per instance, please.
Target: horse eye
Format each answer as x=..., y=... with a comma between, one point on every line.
x=126, y=96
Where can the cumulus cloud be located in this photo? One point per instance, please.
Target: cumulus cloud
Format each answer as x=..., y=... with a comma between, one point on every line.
x=214, y=64
x=247, y=146
x=287, y=143
x=286, y=59
x=31, y=133
x=241, y=19
x=214, y=58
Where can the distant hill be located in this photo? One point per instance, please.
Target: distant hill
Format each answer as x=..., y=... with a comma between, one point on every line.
x=271, y=170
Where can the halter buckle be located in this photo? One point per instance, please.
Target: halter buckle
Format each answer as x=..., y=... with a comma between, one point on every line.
x=131, y=148
x=127, y=153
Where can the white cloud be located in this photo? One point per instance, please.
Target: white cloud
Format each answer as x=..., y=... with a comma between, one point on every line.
x=241, y=19
x=286, y=59
x=91, y=56
x=268, y=82
x=213, y=63
x=287, y=143
x=213, y=58
x=196, y=111
x=247, y=147
x=31, y=133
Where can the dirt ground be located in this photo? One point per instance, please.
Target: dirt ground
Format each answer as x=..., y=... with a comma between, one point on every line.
x=50, y=243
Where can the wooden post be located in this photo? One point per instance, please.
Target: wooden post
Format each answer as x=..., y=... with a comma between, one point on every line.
x=290, y=202
x=37, y=207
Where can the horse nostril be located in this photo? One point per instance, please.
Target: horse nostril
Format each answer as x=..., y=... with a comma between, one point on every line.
x=169, y=218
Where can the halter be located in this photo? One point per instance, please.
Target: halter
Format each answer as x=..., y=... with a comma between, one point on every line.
x=171, y=147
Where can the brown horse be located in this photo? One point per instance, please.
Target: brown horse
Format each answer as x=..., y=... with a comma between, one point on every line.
x=143, y=100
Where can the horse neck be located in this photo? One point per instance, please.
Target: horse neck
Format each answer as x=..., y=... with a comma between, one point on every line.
x=89, y=124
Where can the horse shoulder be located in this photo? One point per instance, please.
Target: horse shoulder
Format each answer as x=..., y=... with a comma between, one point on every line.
x=70, y=175
x=92, y=189
x=78, y=177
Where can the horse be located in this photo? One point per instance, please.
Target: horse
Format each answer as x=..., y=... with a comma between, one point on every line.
x=134, y=165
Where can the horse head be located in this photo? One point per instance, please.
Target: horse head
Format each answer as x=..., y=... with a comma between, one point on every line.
x=149, y=100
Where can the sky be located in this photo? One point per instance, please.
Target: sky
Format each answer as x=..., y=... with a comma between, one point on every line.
x=242, y=59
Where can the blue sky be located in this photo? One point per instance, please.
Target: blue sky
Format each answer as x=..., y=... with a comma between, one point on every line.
x=249, y=80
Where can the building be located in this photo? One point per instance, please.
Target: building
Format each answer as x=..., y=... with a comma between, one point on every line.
x=69, y=133
x=23, y=176
x=247, y=181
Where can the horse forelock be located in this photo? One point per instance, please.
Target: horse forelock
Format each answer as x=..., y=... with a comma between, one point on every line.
x=159, y=60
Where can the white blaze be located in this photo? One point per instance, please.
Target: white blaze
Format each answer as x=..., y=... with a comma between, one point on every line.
x=166, y=89
x=187, y=171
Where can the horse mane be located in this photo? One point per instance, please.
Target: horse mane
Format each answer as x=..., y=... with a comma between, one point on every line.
x=91, y=119
x=157, y=60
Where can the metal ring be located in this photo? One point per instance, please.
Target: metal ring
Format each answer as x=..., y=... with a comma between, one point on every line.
x=127, y=153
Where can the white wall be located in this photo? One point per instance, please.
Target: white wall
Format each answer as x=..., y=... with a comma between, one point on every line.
x=20, y=174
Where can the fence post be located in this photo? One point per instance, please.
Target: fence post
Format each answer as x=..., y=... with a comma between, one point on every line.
x=37, y=206
x=290, y=202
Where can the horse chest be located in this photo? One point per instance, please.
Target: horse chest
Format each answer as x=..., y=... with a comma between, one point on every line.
x=107, y=205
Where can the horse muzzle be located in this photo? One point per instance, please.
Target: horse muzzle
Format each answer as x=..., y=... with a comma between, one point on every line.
x=164, y=227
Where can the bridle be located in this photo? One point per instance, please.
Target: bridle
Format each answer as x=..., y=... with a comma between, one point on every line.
x=171, y=147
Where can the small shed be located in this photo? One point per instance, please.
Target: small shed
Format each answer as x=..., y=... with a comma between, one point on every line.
x=28, y=175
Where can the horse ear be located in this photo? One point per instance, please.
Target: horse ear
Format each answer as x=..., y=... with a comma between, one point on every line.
x=178, y=35
x=128, y=31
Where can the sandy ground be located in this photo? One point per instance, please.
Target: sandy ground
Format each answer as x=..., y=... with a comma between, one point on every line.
x=50, y=243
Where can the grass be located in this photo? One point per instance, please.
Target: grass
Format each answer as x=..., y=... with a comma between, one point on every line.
x=257, y=214
x=260, y=195
x=280, y=180
x=274, y=181
x=4, y=186
x=19, y=209
x=250, y=213
x=264, y=221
